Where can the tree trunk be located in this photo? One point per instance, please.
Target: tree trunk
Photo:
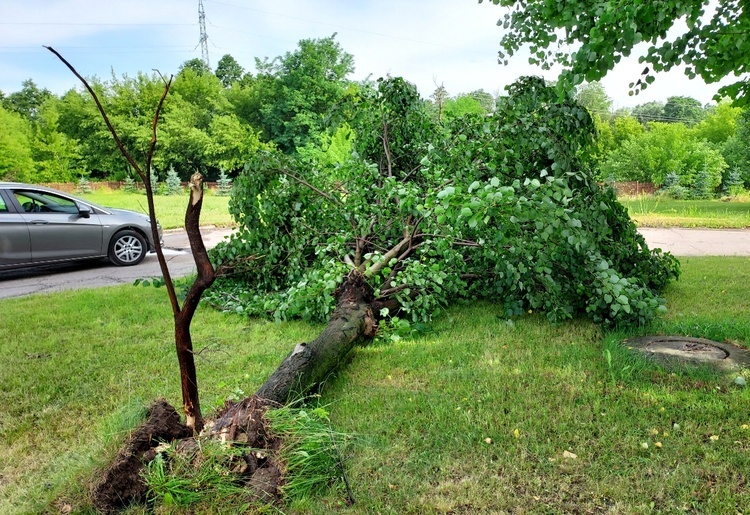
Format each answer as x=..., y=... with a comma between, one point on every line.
x=309, y=364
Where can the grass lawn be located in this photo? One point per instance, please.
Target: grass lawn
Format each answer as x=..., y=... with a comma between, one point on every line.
x=653, y=211
x=479, y=415
x=170, y=209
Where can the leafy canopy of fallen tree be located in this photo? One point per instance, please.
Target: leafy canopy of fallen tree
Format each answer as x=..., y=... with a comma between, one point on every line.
x=499, y=207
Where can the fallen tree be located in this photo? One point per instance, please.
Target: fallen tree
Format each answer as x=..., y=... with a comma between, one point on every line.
x=420, y=216
x=499, y=207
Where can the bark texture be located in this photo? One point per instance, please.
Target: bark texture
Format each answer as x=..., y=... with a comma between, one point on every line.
x=183, y=317
x=310, y=363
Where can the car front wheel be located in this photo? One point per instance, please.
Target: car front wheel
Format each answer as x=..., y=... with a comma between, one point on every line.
x=127, y=248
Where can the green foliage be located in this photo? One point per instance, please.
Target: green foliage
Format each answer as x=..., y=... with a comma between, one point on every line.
x=129, y=186
x=493, y=207
x=83, y=186
x=719, y=124
x=684, y=109
x=593, y=97
x=736, y=150
x=195, y=66
x=309, y=450
x=182, y=478
x=329, y=151
x=16, y=161
x=153, y=179
x=732, y=184
x=296, y=96
x=55, y=154
x=229, y=70
x=462, y=105
x=703, y=186
x=28, y=100
x=601, y=34
x=673, y=188
x=649, y=112
x=663, y=149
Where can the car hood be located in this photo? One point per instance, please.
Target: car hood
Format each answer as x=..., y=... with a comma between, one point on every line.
x=127, y=213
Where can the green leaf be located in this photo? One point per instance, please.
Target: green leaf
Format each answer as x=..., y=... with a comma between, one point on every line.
x=447, y=192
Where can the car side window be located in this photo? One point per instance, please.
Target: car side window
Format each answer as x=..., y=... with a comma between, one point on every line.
x=3, y=207
x=43, y=202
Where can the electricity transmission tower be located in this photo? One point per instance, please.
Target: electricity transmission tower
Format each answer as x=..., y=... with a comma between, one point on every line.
x=204, y=35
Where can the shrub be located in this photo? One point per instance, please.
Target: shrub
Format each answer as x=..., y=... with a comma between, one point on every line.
x=173, y=184
x=129, y=186
x=225, y=184
x=83, y=185
x=732, y=185
x=702, y=186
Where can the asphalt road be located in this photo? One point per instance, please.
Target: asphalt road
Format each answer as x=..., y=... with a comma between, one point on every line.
x=92, y=274
x=699, y=242
x=680, y=242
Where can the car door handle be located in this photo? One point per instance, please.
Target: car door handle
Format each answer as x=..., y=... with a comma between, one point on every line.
x=39, y=222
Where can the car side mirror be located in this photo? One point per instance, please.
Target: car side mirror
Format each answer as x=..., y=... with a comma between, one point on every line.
x=84, y=211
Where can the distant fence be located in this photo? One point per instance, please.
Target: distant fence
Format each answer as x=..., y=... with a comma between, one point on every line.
x=71, y=187
x=634, y=188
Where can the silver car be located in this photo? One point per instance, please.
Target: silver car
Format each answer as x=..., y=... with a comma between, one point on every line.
x=40, y=225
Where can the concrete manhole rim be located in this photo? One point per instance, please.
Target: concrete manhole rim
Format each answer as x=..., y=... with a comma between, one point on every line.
x=735, y=356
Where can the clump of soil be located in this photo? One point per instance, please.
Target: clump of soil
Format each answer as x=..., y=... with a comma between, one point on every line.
x=121, y=483
x=240, y=423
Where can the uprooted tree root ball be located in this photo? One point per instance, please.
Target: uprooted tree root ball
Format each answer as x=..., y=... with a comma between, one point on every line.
x=241, y=425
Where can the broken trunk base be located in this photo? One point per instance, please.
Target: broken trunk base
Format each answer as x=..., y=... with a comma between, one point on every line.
x=242, y=423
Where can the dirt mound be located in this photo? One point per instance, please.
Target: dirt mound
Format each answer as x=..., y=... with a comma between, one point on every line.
x=121, y=483
x=240, y=423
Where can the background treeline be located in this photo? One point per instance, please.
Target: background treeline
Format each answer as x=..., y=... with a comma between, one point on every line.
x=687, y=149
x=216, y=120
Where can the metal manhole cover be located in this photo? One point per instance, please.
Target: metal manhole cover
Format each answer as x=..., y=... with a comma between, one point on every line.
x=691, y=350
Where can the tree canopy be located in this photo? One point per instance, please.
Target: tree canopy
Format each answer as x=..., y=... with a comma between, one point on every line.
x=498, y=207
x=709, y=37
x=593, y=97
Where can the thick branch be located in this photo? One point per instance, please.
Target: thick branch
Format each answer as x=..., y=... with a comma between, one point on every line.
x=206, y=272
x=377, y=267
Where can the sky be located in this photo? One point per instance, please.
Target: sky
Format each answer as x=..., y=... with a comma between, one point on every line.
x=453, y=43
